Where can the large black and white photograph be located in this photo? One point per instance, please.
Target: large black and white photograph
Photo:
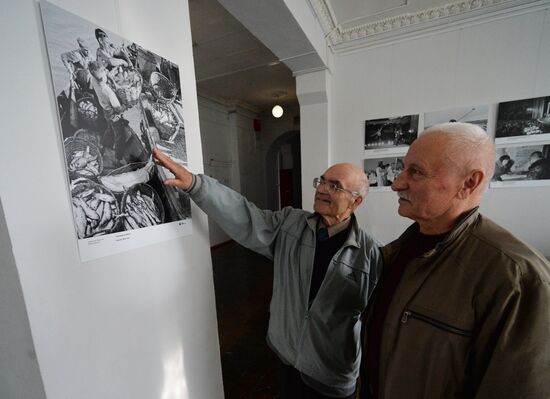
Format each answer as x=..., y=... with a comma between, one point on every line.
x=383, y=171
x=390, y=134
x=478, y=115
x=522, y=166
x=116, y=101
x=525, y=120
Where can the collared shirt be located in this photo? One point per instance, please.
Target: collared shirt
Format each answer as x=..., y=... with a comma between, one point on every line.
x=324, y=233
x=338, y=227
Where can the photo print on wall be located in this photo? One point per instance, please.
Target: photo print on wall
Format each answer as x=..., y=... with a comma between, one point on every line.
x=478, y=115
x=116, y=102
x=522, y=166
x=382, y=171
x=524, y=120
x=390, y=135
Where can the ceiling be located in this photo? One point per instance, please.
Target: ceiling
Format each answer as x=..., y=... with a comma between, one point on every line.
x=233, y=66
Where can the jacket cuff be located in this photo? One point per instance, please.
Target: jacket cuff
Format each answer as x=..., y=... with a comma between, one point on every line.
x=195, y=185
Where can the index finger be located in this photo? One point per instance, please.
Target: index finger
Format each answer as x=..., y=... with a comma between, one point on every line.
x=167, y=162
x=162, y=157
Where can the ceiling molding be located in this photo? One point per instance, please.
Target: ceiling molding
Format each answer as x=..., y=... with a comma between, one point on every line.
x=327, y=19
x=303, y=63
x=398, y=27
x=311, y=70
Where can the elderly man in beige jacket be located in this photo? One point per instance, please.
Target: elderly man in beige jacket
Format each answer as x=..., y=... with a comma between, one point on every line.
x=462, y=308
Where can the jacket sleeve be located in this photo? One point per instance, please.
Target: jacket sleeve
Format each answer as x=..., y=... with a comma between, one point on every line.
x=512, y=358
x=376, y=264
x=243, y=221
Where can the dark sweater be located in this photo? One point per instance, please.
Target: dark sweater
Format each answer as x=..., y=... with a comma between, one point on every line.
x=325, y=249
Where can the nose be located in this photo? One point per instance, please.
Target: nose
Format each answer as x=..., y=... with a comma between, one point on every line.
x=322, y=188
x=399, y=183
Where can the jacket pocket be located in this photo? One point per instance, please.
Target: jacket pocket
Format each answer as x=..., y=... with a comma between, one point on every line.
x=410, y=314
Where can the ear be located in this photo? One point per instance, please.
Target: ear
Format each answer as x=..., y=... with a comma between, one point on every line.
x=471, y=183
x=357, y=201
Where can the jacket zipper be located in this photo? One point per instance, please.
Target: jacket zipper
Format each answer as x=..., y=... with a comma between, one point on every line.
x=436, y=323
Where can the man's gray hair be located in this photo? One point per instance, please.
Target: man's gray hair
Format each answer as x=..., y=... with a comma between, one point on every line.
x=363, y=186
x=471, y=147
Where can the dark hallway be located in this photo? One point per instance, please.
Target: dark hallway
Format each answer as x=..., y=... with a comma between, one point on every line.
x=243, y=283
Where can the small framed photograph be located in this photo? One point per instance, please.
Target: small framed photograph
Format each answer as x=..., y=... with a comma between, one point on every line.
x=522, y=166
x=383, y=171
x=390, y=135
x=478, y=115
x=523, y=121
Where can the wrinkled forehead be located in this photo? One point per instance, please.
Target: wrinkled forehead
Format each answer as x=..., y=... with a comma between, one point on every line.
x=342, y=174
x=430, y=151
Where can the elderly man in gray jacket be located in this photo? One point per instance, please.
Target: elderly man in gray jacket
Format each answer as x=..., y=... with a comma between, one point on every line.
x=325, y=269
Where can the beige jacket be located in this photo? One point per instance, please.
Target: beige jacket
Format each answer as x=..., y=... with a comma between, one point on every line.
x=470, y=319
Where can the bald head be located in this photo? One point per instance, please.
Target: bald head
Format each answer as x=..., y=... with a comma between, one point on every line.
x=340, y=190
x=354, y=177
x=464, y=147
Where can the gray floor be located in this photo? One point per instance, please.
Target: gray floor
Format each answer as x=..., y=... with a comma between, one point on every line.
x=243, y=281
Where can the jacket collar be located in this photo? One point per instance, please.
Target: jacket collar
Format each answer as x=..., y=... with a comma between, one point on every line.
x=417, y=275
x=462, y=225
x=353, y=237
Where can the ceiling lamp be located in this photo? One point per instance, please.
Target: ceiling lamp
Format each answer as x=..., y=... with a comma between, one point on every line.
x=277, y=111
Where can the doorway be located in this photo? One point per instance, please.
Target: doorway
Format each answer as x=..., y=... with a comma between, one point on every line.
x=284, y=172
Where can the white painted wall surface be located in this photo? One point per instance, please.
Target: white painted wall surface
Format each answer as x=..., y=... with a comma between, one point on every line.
x=496, y=61
x=19, y=372
x=140, y=324
x=313, y=91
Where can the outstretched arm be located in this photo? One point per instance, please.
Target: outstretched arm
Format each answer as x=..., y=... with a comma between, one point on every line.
x=250, y=226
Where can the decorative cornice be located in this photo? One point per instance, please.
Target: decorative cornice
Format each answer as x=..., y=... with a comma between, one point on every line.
x=338, y=37
x=326, y=18
x=411, y=19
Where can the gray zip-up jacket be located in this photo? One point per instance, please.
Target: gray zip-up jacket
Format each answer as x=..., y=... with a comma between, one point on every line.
x=322, y=342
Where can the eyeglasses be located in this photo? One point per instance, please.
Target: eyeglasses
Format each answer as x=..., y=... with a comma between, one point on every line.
x=332, y=187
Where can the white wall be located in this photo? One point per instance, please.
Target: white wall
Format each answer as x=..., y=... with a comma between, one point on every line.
x=19, y=372
x=313, y=91
x=505, y=59
x=140, y=324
